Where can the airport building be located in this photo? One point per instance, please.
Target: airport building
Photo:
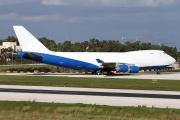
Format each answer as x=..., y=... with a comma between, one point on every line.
x=174, y=65
x=12, y=45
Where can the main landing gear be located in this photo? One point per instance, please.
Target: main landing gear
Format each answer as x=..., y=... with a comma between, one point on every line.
x=102, y=73
x=110, y=73
x=97, y=72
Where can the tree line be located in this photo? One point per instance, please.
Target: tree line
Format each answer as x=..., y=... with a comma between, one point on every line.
x=92, y=45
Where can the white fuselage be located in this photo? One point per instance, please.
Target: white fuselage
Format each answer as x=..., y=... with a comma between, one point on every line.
x=141, y=58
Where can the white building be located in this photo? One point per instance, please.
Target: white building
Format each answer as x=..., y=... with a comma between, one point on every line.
x=175, y=65
x=12, y=45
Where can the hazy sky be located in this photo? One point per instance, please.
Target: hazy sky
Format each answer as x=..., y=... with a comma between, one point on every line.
x=80, y=20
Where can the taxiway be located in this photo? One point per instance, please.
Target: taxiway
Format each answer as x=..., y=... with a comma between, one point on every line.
x=111, y=97
x=162, y=76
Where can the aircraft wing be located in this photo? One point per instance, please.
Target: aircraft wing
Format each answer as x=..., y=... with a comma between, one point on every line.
x=108, y=65
x=112, y=64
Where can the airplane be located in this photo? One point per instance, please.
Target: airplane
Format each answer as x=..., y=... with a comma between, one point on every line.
x=99, y=62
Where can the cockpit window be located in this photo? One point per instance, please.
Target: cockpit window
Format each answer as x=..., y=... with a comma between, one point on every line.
x=164, y=53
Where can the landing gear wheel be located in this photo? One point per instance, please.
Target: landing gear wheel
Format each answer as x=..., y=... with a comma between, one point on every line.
x=93, y=72
x=99, y=72
x=110, y=73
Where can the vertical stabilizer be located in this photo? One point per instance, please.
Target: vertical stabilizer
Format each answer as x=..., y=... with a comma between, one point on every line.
x=28, y=42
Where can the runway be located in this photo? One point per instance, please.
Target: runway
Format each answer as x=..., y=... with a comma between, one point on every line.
x=150, y=75
x=112, y=97
x=91, y=93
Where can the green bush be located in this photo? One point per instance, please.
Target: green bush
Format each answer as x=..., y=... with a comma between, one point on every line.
x=30, y=69
x=45, y=68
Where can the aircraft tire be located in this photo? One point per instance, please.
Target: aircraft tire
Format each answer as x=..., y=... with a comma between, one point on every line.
x=158, y=72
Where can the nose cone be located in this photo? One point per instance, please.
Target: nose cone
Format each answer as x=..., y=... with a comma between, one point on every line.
x=172, y=60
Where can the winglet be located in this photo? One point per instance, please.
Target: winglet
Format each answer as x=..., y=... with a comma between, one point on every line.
x=28, y=42
x=99, y=61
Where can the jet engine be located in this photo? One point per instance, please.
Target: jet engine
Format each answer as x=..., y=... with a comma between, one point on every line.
x=130, y=69
x=134, y=69
x=123, y=68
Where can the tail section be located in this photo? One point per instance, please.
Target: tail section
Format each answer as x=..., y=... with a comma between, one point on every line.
x=28, y=42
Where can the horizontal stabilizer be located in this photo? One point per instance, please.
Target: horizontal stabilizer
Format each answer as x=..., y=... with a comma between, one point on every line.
x=32, y=55
x=13, y=53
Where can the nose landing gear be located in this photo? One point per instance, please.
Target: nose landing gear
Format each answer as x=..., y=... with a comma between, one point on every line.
x=158, y=72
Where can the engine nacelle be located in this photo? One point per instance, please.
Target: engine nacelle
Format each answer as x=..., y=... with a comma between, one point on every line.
x=123, y=68
x=134, y=69
x=21, y=54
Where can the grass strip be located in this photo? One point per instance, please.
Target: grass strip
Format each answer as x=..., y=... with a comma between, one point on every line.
x=54, y=111
x=111, y=83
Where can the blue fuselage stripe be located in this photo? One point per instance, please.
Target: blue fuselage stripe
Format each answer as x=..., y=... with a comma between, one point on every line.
x=65, y=62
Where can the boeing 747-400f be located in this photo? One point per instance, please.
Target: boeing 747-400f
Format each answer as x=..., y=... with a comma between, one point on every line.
x=131, y=62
